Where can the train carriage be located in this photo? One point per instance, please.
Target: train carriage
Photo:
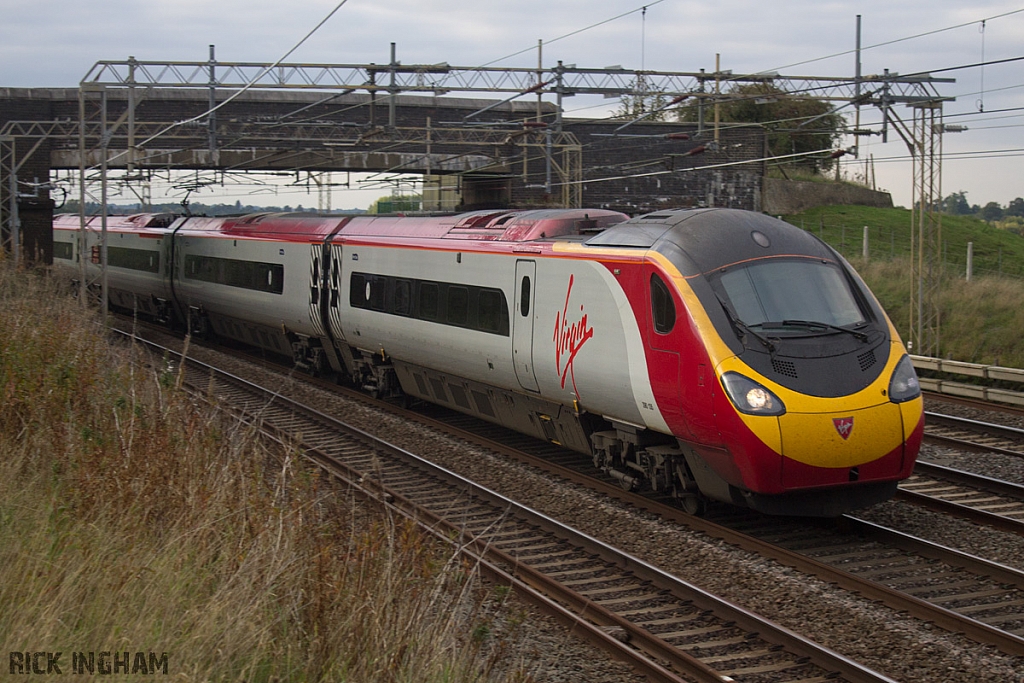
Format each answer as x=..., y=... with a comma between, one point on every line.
x=710, y=354
x=136, y=255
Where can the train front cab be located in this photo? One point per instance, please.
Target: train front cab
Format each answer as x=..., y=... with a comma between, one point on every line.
x=820, y=457
x=815, y=405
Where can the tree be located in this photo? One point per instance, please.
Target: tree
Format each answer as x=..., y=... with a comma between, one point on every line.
x=396, y=204
x=956, y=204
x=1015, y=208
x=796, y=125
x=992, y=211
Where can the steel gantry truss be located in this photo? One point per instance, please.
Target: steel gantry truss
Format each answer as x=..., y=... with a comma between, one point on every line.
x=9, y=222
x=33, y=134
x=442, y=79
x=923, y=138
x=130, y=140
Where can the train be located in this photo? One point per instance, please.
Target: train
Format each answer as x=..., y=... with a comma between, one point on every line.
x=710, y=355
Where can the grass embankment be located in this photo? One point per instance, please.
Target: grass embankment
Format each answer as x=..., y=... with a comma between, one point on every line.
x=134, y=519
x=981, y=320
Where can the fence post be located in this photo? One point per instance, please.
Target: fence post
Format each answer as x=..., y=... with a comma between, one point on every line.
x=865, y=246
x=970, y=260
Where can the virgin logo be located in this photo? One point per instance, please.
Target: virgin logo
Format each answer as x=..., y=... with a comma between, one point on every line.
x=569, y=338
x=844, y=425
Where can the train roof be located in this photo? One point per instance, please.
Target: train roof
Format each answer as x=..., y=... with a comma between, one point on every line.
x=492, y=225
x=504, y=225
x=701, y=240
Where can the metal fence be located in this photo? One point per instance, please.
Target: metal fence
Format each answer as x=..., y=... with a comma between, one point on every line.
x=890, y=243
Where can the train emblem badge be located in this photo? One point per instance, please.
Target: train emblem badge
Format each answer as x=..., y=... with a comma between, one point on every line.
x=844, y=425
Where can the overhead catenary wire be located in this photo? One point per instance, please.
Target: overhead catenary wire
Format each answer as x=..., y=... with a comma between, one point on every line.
x=241, y=90
x=641, y=9
x=896, y=40
x=723, y=164
x=973, y=154
x=321, y=23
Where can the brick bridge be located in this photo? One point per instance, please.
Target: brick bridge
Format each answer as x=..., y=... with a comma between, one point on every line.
x=512, y=155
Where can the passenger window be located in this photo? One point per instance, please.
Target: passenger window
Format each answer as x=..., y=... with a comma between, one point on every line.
x=376, y=292
x=488, y=311
x=357, y=291
x=402, y=298
x=334, y=284
x=662, y=307
x=428, y=301
x=524, y=298
x=458, y=305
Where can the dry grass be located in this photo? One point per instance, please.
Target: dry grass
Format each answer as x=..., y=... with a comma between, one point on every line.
x=134, y=519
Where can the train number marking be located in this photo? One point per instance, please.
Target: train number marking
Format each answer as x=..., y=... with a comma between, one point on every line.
x=569, y=338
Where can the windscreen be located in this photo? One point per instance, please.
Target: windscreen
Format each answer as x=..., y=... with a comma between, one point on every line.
x=775, y=290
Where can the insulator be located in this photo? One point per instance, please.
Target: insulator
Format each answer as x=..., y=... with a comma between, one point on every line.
x=536, y=87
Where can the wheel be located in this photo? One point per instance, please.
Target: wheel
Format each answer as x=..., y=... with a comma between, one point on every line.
x=692, y=504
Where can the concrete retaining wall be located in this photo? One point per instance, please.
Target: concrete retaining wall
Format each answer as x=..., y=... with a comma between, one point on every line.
x=779, y=197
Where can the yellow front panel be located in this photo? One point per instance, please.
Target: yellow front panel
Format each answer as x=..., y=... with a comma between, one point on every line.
x=912, y=411
x=814, y=439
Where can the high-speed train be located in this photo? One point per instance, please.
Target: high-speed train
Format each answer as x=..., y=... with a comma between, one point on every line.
x=713, y=354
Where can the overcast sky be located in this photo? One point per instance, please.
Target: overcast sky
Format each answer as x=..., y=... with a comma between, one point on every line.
x=54, y=44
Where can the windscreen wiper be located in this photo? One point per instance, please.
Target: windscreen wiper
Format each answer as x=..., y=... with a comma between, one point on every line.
x=814, y=324
x=742, y=329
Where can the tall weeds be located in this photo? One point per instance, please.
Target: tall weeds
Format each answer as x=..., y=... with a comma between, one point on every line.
x=981, y=320
x=134, y=518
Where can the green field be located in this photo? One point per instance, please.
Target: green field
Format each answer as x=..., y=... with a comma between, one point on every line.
x=981, y=320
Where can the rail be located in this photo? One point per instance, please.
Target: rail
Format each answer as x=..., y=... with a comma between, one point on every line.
x=528, y=550
x=978, y=371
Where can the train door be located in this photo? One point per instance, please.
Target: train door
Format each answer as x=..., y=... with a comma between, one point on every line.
x=522, y=324
x=318, y=258
x=175, y=259
x=666, y=340
x=333, y=280
x=325, y=297
x=325, y=289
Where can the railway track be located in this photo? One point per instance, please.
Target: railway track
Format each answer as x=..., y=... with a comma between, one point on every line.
x=980, y=499
x=973, y=435
x=958, y=592
x=669, y=629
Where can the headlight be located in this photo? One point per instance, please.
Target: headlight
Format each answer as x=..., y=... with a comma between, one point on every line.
x=904, y=385
x=750, y=397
